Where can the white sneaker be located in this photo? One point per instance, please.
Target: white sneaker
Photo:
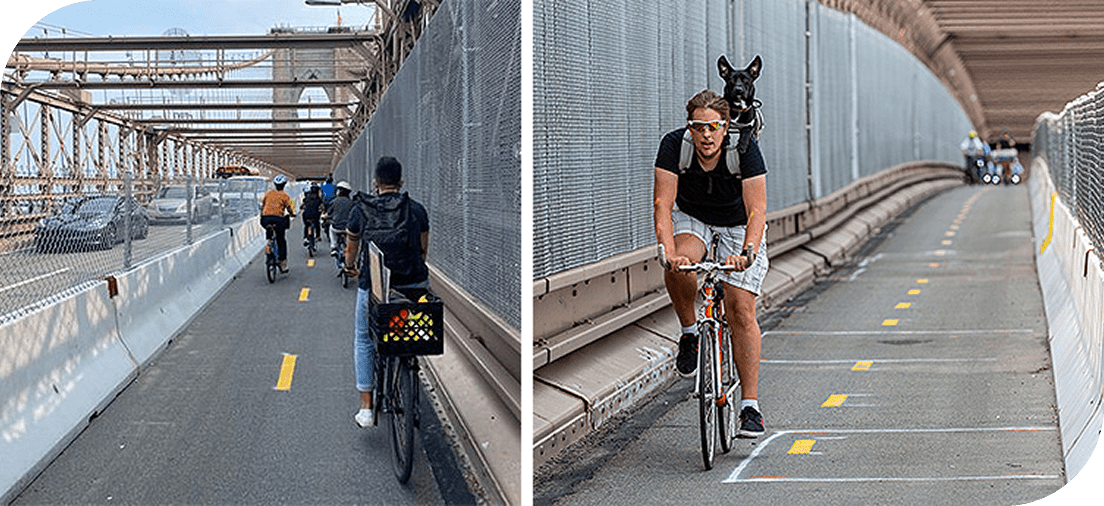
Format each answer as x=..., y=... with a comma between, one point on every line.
x=365, y=418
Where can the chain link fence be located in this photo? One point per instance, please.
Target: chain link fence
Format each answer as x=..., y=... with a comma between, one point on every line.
x=1072, y=144
x=83, y=197
x=840, y=101
x=452, y=116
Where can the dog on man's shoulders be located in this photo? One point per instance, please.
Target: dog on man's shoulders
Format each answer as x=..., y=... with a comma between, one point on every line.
x=739, y=92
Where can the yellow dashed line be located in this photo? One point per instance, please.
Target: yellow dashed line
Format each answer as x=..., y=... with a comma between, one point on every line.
x=304, y=294
x=287, y=370
x=902, y=305
x=834, y=401
x=940, y=252
x=947, y=242
x=922, y=281
x=950, y=233
x=802, y=446
x=933, y=265
x=914, y=291
x=862, y=365
x=889, y=322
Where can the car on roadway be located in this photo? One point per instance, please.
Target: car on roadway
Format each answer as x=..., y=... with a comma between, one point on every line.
x=99, y=220
x=241, y=197
x=170, y=205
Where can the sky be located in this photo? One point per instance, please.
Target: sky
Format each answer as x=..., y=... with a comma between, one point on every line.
x=118, y=18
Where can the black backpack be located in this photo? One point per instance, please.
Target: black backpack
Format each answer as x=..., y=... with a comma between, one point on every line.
x=389, y=222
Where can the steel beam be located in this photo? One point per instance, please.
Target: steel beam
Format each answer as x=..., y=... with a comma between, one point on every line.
x=185, y=84
x=270, y=41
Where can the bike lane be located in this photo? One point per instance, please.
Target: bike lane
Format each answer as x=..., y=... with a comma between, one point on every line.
x=252, y=403
x=919, y=373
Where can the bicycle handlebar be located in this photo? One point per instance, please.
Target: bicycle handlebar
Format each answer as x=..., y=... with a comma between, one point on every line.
x=705, y=266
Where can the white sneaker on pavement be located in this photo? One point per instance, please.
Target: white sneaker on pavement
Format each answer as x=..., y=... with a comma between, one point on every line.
x=365, y=418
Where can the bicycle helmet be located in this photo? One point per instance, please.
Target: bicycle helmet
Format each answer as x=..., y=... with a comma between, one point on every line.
x=280, y=179
x=345, y=185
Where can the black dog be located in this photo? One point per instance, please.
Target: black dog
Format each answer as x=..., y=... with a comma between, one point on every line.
x=739, y=92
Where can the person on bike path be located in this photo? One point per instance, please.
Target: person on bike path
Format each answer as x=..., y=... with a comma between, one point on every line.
x=338, y=211
x=312, y=213
x=692, y=203
x=405, y=246
x=328, y=190
x=277, y=209
x=972, y=148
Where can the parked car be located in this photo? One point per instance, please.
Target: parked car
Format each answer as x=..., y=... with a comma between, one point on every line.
x=170, y=205
x=96, y=220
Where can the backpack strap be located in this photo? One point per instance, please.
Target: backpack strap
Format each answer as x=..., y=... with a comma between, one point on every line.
x=732, y=155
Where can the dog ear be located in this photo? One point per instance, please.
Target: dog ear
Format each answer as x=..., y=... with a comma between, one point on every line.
x=724, y=67
x=754, y=67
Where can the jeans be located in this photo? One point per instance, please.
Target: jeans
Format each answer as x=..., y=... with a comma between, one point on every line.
x=364, y=345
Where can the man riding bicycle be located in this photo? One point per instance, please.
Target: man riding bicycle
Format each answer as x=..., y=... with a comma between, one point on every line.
x=701, y=195
x=399, y=226
x=277, y=210
x=312, y=213
x=972, y=149
x=338, y=211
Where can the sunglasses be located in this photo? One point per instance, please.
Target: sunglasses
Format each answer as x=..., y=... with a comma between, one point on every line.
x=702, y=126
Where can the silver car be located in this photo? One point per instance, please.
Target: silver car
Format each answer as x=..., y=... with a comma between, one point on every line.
x=171, y=205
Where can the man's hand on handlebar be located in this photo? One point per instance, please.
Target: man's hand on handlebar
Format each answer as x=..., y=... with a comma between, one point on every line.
x=740, y=262
x=676, y=261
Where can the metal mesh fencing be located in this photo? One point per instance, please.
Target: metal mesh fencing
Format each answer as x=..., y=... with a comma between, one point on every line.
x=1072, y=143
x=610, y=78
x=85, y=197
x=452, y=116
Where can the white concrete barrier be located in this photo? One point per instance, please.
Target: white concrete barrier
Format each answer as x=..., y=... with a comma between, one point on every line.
x=66, y=361
x=157, y=298
x=58, y=366
x=1072, y=283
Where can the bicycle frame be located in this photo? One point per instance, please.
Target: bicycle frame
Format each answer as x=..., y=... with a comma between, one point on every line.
x=714, y=356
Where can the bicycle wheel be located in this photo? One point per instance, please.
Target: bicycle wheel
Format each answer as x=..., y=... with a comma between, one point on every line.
x=270, y=264
x=728, y=408
x=401, y=421
x=706, y=394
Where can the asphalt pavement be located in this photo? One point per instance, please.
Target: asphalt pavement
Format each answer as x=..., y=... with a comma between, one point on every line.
x=210, y=422
x=917, y=373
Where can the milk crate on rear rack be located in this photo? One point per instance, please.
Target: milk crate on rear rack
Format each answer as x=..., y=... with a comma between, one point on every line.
x=409, y=328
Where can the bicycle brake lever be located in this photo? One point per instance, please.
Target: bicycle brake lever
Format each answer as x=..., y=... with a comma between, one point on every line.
x=663, y=258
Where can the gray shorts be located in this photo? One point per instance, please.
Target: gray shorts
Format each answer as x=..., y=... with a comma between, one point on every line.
x=731, y=243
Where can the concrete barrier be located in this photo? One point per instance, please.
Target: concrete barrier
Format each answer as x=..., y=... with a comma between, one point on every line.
x=58, y=366
x=66, y=361
x=1072, y=283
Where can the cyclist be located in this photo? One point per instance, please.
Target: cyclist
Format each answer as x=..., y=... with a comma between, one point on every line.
x=338, y=211
x=328, y=190
x=312, y=213
x=972, y=148
x=399, y=226
x=277, y=210
x=696, y=197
